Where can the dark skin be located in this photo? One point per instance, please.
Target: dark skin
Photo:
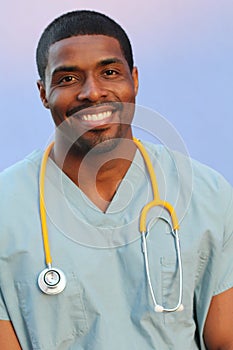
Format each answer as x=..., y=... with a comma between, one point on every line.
x=100, y=79
x=87, y=71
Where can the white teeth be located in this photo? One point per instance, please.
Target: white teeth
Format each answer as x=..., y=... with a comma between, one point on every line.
x=96, y=117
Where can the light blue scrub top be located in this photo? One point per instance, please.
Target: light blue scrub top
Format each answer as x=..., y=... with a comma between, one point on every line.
x=106, y=303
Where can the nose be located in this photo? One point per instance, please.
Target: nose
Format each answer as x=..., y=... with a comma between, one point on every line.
x=91, y=90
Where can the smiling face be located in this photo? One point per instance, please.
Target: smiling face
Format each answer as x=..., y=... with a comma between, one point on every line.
x=89, y=86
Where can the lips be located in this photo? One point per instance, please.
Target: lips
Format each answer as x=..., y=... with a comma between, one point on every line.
x=95, y=116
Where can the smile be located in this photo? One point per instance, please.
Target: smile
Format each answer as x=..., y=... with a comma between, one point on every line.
x=96, y=117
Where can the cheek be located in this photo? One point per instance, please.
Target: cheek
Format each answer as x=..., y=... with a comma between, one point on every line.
x=53, y=97
x=128, y=112
x=127, y=93
x=56, y=105
x=57, y=101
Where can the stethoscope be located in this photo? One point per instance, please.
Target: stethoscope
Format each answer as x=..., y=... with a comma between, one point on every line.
x=53, y=281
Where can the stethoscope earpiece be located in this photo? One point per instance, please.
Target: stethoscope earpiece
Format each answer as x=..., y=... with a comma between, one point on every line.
x=52, y=281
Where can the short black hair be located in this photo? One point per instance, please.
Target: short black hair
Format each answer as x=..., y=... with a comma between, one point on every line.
x=80, y=22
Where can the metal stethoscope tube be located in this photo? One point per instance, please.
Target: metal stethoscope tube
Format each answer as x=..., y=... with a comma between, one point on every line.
x=53, y=281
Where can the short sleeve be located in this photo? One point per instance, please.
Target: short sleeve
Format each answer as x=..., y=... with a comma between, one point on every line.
x=225, y=271
x=3, y=311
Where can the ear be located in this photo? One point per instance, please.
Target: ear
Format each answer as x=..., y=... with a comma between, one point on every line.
x=41, y=87
x=135, y=79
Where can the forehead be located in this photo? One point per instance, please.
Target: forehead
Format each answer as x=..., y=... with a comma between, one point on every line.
x=86, y=49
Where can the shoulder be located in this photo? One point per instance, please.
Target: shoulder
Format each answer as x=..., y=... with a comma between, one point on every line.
x=18, y=177
x=201, y=173
x=31, y=161
x=205, y=184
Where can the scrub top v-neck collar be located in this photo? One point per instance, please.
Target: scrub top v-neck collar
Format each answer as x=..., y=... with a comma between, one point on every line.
x=117, y=209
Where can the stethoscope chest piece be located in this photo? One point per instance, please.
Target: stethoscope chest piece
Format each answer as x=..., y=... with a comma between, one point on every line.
x=52, y=281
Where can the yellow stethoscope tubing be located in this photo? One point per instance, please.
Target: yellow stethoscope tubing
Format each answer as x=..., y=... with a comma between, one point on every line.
x=156, y=197
x=44, y=226
x=143, y=230
x=155, y=202
x=142, y=225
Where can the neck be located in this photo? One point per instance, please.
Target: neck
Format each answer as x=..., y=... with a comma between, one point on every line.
x=98, y=175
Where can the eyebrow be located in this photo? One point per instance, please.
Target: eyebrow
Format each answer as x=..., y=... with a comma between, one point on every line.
x=102, y=63
x=108, y=61
x=65, y=69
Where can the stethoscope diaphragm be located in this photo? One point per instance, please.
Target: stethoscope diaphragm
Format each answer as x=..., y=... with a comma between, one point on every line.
x=52, y=281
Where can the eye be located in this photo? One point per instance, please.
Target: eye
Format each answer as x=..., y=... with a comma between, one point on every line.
x=110, y=72
x=67, y=79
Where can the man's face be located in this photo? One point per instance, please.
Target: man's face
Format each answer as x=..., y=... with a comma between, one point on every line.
x=87, y=79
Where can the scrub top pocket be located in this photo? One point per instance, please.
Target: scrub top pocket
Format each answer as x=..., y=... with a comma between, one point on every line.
x=171, y=289
x=52, y=321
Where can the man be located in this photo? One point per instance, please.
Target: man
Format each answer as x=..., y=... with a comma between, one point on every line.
x=95, y=187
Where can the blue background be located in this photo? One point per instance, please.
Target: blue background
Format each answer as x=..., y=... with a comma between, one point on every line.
x=184, y=53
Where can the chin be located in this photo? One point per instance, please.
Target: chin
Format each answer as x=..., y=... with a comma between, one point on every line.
x=106, y=146
x=101, y=141
x=98, y=145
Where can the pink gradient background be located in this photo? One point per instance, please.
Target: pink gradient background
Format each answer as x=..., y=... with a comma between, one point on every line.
x=184, y=52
